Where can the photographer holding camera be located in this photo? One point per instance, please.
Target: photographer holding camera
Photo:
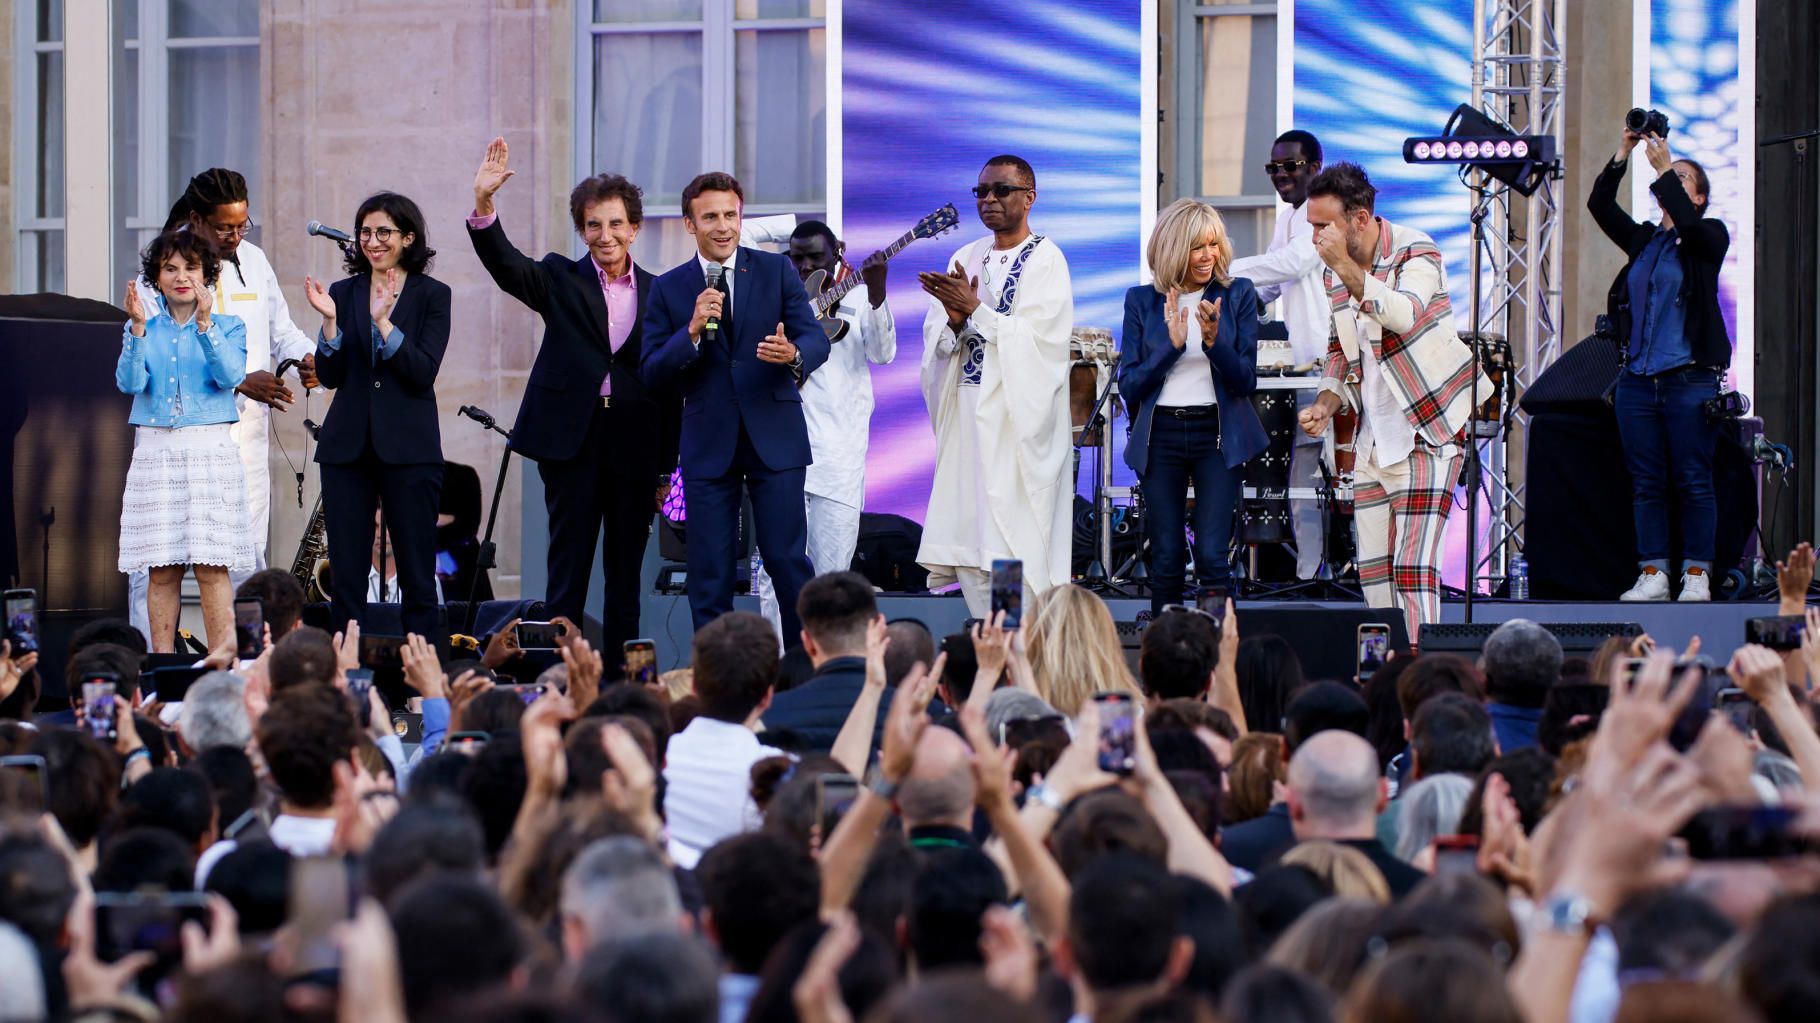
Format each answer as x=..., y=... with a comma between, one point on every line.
x=1664, y=310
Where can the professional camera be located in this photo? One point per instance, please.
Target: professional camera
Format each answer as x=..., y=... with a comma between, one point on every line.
x=1730, y=405
x=1647, y=122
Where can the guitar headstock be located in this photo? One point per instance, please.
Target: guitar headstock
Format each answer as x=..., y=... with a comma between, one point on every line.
x=938, y=223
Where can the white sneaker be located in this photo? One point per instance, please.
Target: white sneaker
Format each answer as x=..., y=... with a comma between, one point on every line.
x=1650, y=586
x=1696, y=587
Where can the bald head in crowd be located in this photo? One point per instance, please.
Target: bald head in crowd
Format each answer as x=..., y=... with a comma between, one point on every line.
x=939, y=789
x=1335, y=791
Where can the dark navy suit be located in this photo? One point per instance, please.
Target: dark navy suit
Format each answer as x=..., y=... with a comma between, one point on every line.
x=817, y=709
x=1169, y=452
x=742, y=423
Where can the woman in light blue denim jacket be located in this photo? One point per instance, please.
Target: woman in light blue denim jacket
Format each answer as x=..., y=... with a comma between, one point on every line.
x=185, y=502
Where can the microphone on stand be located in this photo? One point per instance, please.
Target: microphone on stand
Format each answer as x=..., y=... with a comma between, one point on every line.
x=479, y=415
x=321, y=230
x=712, y=327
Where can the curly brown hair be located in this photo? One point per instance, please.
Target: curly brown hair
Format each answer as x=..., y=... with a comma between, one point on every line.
x=307, y=730
x=185, y=243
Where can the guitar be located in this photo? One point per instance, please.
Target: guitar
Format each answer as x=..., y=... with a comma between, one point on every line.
x=827, y=302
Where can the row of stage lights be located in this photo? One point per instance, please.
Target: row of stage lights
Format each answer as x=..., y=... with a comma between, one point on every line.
x=1470, y=149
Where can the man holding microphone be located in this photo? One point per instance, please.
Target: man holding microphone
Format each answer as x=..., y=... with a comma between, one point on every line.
x=708, y=332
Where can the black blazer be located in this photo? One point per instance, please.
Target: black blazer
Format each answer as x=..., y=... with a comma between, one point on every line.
x=564, y=389
x=393, y=403
x=1703, y=242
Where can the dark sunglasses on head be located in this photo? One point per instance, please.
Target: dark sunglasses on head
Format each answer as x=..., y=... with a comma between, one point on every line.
x=997, y=191
x=1285, y=166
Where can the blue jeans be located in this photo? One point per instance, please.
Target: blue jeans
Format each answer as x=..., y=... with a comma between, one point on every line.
x=1668, y=445
x=1181, y=451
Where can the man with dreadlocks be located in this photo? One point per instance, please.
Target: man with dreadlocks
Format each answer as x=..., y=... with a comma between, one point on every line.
x=214, y=206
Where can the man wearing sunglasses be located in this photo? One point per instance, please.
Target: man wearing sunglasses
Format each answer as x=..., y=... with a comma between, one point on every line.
x=994, y=376
x=1291, y=269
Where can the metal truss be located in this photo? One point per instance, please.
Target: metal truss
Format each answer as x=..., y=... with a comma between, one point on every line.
x=1519, y=79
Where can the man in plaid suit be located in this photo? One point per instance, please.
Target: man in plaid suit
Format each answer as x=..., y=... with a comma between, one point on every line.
x=1394, y=356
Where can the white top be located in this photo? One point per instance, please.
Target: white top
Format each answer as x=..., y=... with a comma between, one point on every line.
x=837, y=401
x=303, y=836
x=392, y=595
x=1190, y=379
x=1381, y=422
x=1291, y=269
x=708, y=786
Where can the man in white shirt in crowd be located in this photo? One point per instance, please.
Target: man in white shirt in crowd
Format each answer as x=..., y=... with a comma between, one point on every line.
x=215, y=204
x=837, y=402
x=1292, y=270
x=708, y=765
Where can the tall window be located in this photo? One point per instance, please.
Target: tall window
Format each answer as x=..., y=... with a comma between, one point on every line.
x=1225, y=114
x=186, y=98
x=38, y=144
x=677, y=87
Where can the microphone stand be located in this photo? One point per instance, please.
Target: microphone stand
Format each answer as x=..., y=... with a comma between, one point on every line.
x=483, y=560
x=1099, y=570
x=1479, y=213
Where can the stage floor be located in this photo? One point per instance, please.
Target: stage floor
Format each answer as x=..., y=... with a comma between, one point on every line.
x=1720, y=625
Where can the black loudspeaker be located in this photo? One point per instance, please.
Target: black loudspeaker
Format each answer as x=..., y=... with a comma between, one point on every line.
x=886, y=554
x=1578, y=639
x=1324, y=638
x=1578, y=381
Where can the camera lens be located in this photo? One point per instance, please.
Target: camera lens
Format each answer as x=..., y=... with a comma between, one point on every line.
x=1637, y=120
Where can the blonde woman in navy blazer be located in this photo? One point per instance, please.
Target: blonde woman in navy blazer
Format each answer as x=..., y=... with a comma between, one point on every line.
x=1187, y=369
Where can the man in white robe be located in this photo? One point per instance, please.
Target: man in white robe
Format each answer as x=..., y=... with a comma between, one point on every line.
x=995, y=380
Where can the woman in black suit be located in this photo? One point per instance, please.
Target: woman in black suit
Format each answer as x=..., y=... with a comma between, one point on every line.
x=384, y=329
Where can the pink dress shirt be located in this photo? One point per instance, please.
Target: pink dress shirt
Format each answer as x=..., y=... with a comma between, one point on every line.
x=620, y=293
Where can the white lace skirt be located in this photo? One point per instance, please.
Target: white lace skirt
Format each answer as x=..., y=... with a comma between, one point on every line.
x=185, y=501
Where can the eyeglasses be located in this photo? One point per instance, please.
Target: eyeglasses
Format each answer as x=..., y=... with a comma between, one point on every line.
x=381, y=234
x=1286, y=166
x=998, y=190
x=1185, y=609
x=240, y=230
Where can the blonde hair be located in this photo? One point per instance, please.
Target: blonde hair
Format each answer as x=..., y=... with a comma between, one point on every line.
x=1179, y=228
x=1349, y=872
x=1074, y=648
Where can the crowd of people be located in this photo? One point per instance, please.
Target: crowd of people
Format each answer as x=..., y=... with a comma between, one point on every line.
x=912, y=829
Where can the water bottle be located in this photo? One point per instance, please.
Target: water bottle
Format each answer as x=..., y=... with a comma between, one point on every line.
x=1519, y=578
x=758, y=569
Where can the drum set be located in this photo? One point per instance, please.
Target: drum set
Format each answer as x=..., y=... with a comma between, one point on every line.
x=1264, y=512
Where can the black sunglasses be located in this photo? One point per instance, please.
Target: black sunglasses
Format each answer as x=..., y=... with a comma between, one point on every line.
x=998, y=190
x=1285, y=166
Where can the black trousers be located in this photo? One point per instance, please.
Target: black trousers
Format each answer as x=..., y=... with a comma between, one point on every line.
x=351, y=495
x=583, y=495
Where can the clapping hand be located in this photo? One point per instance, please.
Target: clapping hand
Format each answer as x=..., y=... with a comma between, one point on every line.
x=135, y=308
x=205, y=305
x=384, y=299
x=318, y=297
x=1177, y=318
x=1208, y=313
x=957, y=292
x=493, y=173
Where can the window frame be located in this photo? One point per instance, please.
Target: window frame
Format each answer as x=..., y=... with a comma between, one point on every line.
x=719, y=31
x=29, y=138
x=1190, y=65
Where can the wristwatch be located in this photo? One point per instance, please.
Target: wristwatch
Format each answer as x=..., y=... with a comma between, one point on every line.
x=1567, y=913
x=1044, y=796
x=883, y=787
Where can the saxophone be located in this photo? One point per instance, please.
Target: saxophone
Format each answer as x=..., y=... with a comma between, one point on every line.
x=311, y=565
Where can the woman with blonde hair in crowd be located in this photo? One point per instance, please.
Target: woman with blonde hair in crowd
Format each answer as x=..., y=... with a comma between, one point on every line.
x=1074, y=648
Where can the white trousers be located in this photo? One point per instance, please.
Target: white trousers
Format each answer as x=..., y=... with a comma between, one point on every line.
x=249, y=435
x=833, y=536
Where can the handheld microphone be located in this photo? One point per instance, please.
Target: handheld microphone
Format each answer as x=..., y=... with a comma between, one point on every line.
x=715, y=270
x=480, y=416
x=321, y=230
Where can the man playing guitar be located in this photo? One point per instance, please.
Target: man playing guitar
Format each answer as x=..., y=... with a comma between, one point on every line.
x=837, y=400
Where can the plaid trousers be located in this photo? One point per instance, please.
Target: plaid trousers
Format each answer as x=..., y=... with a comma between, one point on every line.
x=1400, y=512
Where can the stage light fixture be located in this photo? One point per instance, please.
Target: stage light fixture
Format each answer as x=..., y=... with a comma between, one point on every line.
x=1520, y=161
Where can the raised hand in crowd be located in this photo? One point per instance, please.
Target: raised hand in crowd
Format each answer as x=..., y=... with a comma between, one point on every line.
x=1794, y=575
x=991, y=650
x=422, y=669
x=92, y=985
x=502, y=646
x=13, y=669
x=630, y=784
